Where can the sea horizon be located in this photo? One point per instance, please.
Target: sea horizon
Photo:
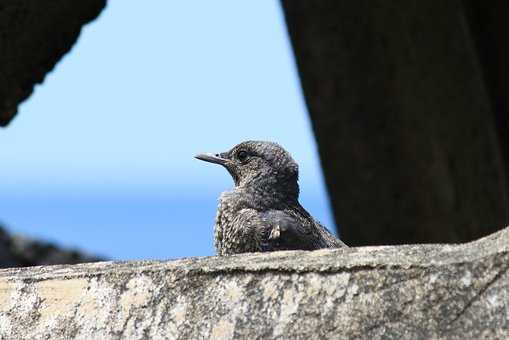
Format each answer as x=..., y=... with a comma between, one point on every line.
x=129, y=224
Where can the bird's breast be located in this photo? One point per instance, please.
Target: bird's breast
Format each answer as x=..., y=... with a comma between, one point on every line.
x=231, y=232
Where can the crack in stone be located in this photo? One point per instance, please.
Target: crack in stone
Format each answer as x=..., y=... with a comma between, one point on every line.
x=478, y=295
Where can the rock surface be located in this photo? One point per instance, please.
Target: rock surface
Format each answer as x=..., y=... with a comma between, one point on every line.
x=19, y=251
x=393, y=292
x=34, y=35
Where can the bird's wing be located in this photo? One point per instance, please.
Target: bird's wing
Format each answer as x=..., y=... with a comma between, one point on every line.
x=327, y=237
x=284, y=231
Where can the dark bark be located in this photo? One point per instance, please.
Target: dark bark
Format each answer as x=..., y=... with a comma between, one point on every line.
x=402, y=117
x=34, y=35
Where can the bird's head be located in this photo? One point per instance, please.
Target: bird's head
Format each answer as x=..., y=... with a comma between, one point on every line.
x=259, y=164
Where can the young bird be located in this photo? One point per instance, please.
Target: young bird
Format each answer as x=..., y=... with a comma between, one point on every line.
x=262, y=212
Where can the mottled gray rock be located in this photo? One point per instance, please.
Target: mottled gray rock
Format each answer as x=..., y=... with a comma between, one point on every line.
x=421, y=291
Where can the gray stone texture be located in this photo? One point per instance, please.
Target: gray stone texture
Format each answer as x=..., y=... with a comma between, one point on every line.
x=34, y=35
x=389, y=292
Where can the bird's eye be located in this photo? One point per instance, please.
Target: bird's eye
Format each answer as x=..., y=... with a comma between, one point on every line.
x=242, y=155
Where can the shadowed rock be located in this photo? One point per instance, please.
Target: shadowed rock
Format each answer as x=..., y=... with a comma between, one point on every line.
x=404, y=117
x=393, y=292
x=34, y=35
x=18, y=251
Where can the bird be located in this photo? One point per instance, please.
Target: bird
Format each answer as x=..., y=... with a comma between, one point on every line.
x=262, y=212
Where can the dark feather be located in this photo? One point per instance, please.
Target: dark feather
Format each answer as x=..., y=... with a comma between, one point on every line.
x=283, y=231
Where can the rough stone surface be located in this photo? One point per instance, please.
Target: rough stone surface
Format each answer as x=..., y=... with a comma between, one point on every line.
x=34, y=35
x=19, y=251
x=393, y=292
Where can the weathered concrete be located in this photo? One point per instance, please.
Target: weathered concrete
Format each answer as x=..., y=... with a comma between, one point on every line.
x=431, y=291
x=34, y=35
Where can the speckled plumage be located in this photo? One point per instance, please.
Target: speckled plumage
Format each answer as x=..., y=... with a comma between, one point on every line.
x=262, y=212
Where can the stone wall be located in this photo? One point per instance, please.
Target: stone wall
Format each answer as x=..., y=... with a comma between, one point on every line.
x=392, y=292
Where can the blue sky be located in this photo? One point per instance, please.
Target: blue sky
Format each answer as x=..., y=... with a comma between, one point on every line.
x=100, y=157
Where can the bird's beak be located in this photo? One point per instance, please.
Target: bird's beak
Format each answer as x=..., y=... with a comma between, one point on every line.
x=211, y=158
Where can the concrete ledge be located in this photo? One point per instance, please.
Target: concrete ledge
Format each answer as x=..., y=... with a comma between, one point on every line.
x=453, y=291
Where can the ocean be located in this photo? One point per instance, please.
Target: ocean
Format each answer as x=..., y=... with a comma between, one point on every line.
x=132, y=224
